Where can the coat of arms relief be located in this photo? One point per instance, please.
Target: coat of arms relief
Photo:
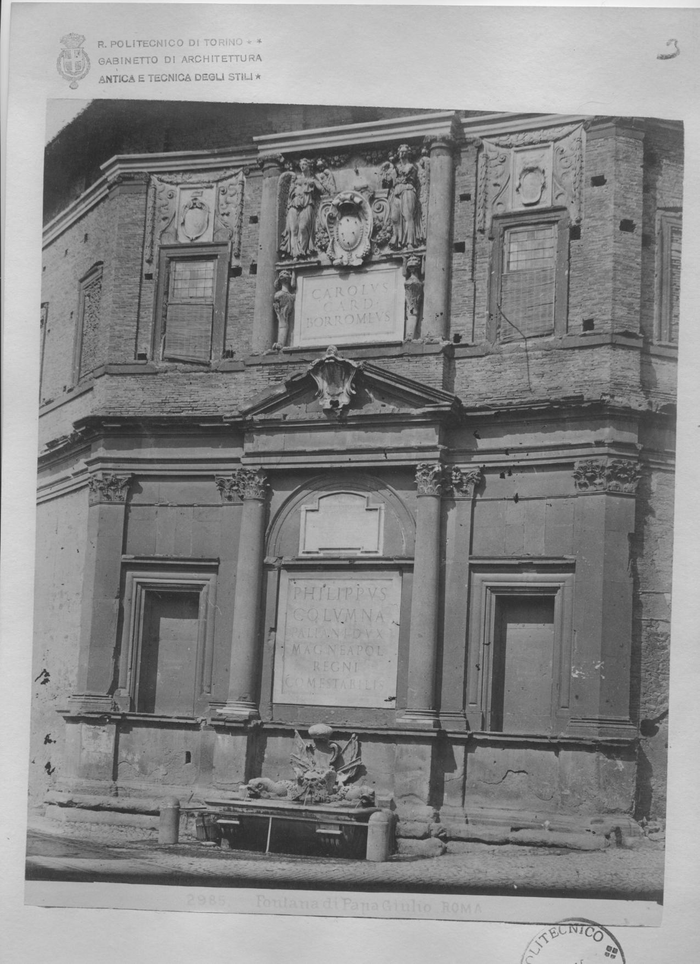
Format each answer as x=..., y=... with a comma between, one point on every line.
x=347, y=212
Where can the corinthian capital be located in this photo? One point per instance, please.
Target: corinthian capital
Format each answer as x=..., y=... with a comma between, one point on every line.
x=107, y=487
x=249, y=484
x=607, y=475
x=430, y=478
x=464, y=481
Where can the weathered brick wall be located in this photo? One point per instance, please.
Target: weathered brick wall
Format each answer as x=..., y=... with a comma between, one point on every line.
x=60, y=551
x=626, y=229
x=604, y=289
x=65, y=262
x=663, y=191
x=463, y=288
x=652, y=552
x=122, y=283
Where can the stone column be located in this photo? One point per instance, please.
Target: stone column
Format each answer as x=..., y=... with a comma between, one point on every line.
x=244, y=675
x=263, y=317
x=425, y=602
x=438, y=252
x=101, y=590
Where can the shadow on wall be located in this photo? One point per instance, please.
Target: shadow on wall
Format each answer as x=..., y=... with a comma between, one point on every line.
x=650, y=801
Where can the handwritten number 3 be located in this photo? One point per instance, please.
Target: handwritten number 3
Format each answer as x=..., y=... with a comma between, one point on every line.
x=670, y=56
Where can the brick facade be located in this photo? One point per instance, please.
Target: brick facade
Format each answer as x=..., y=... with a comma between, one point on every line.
x=526, y=412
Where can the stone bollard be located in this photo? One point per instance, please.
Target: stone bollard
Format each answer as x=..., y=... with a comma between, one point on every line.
x=379, y=832
x=169, y=822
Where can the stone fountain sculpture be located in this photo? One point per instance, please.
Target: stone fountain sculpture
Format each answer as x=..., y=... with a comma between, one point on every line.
x=324, y=772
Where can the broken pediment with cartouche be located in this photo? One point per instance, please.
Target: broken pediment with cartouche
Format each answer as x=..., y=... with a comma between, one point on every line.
x=335, y=386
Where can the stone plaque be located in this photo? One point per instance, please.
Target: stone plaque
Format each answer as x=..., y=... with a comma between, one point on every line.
x=341, y=523
x=349, y=308
x=338, y=639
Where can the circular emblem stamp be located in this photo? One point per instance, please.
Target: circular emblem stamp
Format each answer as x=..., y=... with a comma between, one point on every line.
x=573, y=941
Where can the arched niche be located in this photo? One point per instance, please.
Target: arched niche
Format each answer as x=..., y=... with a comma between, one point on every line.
x=342, y=515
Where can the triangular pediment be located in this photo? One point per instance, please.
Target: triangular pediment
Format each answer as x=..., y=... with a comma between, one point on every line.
x=372, y=392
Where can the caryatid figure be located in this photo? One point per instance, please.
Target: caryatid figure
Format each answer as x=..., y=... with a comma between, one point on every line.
x=283, y=303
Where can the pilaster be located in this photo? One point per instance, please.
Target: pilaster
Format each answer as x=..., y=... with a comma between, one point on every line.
x=605, y=521
x=462, y=486
x=101, y=590
x=425, y=602
x=263, y=316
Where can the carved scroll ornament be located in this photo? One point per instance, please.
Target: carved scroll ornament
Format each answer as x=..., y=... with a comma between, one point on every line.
x=197, y=206
x=334, y=376
x=530, y=169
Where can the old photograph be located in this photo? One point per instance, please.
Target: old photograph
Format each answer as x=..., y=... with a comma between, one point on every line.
x=355, y=500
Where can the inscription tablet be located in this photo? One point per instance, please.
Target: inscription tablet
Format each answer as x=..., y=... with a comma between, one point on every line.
x=343, y=308
x=338, y=639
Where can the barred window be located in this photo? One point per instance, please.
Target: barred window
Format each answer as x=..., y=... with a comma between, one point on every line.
x=192, y=303
x=529, y=279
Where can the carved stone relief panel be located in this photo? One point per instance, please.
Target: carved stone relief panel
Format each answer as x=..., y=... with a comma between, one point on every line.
x=195, y=207
x=530, y=170
x=195, y=217
x=347, y=208
x=532, y=178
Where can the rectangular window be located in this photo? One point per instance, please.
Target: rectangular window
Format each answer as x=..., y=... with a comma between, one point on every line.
x=192, y=303
x=668, y=277
x=520, y=646
x=529, y=277
x=167, y=640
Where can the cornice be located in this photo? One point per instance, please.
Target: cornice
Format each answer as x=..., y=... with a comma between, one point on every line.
x=372, y=132
x=494, y=125
x=132, y=164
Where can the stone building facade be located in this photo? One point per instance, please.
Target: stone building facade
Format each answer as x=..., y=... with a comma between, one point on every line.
x=362, y=418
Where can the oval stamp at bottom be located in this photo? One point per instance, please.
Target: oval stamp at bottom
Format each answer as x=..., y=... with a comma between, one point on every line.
x=573, y=941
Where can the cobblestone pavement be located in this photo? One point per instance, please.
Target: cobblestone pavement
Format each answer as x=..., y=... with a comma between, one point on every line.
x=88, y=852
